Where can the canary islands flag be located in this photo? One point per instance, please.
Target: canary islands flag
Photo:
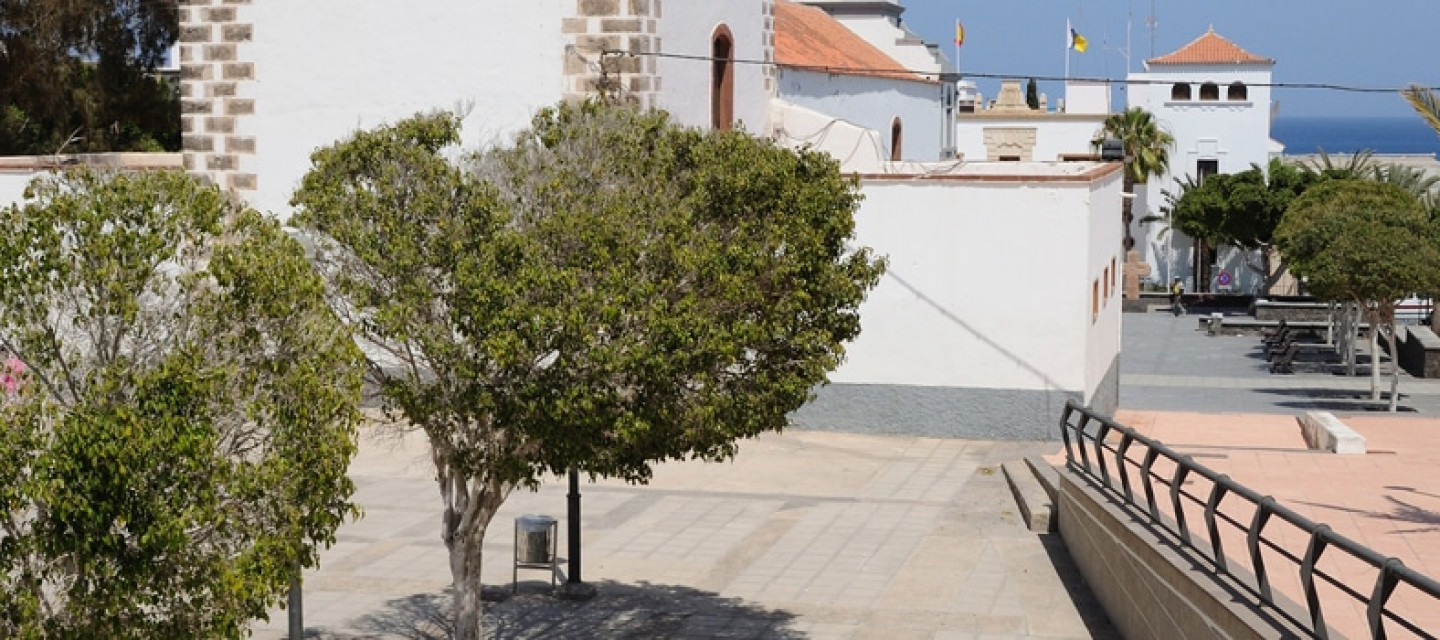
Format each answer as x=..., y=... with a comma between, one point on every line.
x=1077, y=41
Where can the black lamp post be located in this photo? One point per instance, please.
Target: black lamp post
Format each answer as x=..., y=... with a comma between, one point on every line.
x=574, y=588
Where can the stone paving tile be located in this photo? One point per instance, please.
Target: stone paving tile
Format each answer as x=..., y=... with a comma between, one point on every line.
x=804, y=535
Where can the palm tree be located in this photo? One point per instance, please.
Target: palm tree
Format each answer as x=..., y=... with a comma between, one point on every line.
x=1358, y=166
x=1147, y=153
x=1425, y=103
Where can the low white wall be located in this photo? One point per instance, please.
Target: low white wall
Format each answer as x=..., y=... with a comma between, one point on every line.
x=17, y=172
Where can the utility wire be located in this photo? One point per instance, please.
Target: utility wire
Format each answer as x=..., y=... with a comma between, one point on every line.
x=1326, y=86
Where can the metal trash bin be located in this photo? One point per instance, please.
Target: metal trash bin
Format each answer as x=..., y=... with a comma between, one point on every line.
x=532, y=539
x=535, y=544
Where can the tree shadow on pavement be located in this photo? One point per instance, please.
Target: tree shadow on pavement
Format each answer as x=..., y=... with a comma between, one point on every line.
x=1401, y=512
x=618, y=610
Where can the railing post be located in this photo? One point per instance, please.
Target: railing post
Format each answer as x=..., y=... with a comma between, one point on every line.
x=1384, y=586
x=1065, y=430
x=1307, y=580
x=1182, y=469
x=1217, y=493
x=1263, y=509
x=1148, y=476
x=1125, y=443
x=1100, y=434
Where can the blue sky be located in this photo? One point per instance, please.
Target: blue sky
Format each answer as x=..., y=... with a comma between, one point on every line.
x=1382, y=43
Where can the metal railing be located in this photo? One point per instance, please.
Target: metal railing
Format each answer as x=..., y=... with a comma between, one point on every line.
x=1094, y=443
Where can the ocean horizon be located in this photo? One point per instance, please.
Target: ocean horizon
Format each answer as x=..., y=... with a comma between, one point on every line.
x=1304, y=135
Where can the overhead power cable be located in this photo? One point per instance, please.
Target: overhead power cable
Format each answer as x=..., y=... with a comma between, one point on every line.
x=1325, y=86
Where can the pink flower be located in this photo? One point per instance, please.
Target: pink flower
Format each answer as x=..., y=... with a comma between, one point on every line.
x=10, y=377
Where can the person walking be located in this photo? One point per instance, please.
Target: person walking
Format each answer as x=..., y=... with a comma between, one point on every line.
x=1177, y=295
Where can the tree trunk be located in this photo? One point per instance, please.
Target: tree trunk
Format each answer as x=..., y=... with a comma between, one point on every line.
x=470, y=504
x=1330, y=326
x=465, y=556
x=1394, y=366
x=1351, y=335
x=1374, y=357
x=1127, y=210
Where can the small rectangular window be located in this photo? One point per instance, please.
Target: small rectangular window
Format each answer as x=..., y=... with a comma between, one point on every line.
x=1095, y=301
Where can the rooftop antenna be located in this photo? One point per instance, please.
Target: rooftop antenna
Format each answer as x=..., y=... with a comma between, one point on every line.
x=1123, y=51
x=1152, y=22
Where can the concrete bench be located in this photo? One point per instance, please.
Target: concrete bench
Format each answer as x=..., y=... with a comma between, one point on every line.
x=1324, y=432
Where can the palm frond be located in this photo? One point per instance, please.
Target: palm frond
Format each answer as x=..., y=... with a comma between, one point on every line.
x=1425, y=103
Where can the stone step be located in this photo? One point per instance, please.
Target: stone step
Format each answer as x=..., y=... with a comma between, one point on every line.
x=1035, y=504
x=1047, y=475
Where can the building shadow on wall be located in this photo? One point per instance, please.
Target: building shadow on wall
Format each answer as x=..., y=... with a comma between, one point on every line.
x=1092, y=613
x=641, y=610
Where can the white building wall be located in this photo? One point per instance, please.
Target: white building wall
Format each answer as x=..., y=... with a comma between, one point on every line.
x=1236, y=134
x=1055, y=135
x=943, y=314
x=326, y=68
x=1106, y=260
x=967, y=333
x=896, y=41
x=12, y=186
x=872, y=103
x=687, y=28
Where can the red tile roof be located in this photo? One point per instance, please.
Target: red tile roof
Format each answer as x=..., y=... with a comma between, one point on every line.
x=1210, y=48
x=808, y=38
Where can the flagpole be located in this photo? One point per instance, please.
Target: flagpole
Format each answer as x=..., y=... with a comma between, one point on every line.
x=1068, y=31
x=956, y=40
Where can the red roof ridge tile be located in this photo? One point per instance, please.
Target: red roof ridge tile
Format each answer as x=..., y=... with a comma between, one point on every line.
x=1210, y=48
x=809, y=38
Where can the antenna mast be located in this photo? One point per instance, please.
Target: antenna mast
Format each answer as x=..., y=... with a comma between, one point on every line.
x=1152, y=22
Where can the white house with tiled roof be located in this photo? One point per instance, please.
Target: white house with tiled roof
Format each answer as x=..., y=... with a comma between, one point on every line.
x=1214, y=97
x=838, y=92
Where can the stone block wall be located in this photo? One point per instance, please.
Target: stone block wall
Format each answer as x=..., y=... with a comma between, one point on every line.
x=598, y=26
x=213, y=75
x=770, y=71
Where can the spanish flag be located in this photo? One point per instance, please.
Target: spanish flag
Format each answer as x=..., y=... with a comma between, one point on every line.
x=959, y=33
x=1077, y=41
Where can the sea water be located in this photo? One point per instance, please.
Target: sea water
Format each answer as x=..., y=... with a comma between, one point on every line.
x=1304, y=135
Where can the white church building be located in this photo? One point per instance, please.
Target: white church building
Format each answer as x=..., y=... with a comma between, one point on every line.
x=950, y=346
x=1214, y=97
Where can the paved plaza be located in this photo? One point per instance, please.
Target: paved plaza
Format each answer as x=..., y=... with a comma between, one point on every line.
x=804, y=535
x=824, y=535
x=1213, y=398
x=1168, y=364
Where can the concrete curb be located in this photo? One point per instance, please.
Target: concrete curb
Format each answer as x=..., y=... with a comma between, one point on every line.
x=1036, y=505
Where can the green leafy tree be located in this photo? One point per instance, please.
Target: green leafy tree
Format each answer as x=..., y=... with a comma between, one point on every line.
x=1147, y=153
x=1241, y=209
x=609, y=291
x=1367, y=243
x=178, y=445
x=77, y=76
x=1032, y=94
